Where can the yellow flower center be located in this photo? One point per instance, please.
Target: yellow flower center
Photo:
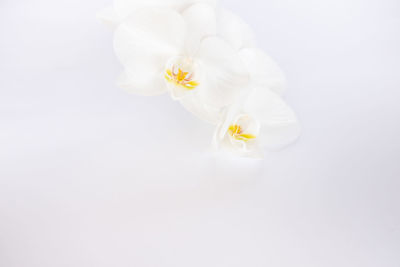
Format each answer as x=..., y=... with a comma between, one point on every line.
x=236, y=132
x=181, y=78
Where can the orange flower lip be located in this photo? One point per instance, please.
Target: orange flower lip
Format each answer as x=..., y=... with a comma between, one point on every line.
x=181, y=78
x=236, y=132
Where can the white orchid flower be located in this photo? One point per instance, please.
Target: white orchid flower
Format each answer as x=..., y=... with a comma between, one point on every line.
x=261, y=119
x=114, y=14
x=163, y=50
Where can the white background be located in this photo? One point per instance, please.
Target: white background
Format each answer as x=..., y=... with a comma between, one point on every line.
x=92, y=176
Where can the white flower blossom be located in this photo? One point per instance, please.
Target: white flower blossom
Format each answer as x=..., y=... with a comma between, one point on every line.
x=261, y=119
x=166, y=51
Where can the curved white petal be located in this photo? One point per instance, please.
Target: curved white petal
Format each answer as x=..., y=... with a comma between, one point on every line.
x=263, y=70
x=201, y=22
x=149, y=38
x=124, y=8
x=225, y=75
x=146, y=82
x=235, y=31
x=276, y=136
x=280, y=125
x=206, y=113
x=109, y=17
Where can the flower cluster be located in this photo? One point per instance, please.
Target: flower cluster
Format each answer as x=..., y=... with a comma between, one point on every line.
x=206, y=58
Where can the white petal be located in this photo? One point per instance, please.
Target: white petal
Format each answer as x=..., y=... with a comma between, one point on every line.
x=254, y=151
x=248, y=124
x=278, y=136
x=235, y=31
x=208, y=114
x=224, y=73
x=145, y=83
x=280, y=125
x=178, y=92
x=125, y=8
x=201, y=22
x=109, y=17
x=263, y=70
x=149, y=38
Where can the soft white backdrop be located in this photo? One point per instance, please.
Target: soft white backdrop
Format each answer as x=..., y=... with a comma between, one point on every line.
x=92, y=176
